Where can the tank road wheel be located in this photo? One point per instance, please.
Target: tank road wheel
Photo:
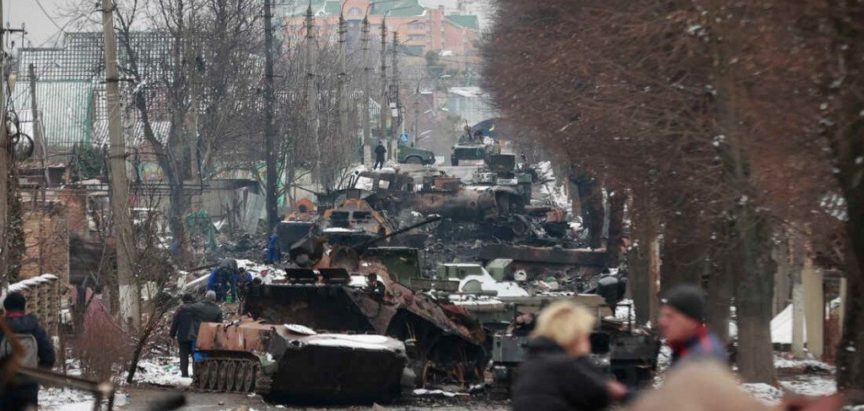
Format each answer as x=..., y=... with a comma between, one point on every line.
x=212, y=375
x=222, y=376
x=240, y=379
x=230, y=375
x=197, y=375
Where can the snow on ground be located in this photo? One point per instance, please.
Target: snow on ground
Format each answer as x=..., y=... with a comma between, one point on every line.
x=436, y=393
x=163, y=371
x=62, y=399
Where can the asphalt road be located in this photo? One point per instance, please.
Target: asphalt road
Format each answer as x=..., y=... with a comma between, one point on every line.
x=141, y=398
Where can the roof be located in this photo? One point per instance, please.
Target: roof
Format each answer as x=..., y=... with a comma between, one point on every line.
x=465, y=21
x=470, y=92
x=66, y=110
x=332, y=8
x=398, y=8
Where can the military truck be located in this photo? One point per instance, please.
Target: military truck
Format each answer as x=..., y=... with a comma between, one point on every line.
x=408, y=154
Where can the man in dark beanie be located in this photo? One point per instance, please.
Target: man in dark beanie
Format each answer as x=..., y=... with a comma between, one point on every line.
x=682, y=322
x=22, y=393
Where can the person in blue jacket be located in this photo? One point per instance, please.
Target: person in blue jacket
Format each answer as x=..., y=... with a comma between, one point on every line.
x=22, y=392
x=223, y=280
x=274, y=254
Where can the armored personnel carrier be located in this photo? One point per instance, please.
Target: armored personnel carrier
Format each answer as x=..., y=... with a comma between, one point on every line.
x=295, y=362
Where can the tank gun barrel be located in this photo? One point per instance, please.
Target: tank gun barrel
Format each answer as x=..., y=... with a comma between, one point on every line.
x=367, y=243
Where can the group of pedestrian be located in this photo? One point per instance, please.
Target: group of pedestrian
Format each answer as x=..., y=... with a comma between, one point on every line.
x=187, y=319
x=228, y=280
x=557, y=373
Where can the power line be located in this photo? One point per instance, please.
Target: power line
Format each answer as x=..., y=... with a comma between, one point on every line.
x=39, y=3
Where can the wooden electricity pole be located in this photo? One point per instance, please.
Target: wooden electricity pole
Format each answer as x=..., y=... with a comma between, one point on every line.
x=129, y=296
x=366, y=71
x=311, y=91
x=269, y=137
x=385, y=106
x=341, y=93
x=5, y=165
x=38, y=141
x=397, y=112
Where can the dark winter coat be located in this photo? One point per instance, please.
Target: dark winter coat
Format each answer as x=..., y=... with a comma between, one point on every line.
x=205, y=312
x=183, y=324
x=380, y=151
x=28, y=324
x=551, y=380
x=22, y=390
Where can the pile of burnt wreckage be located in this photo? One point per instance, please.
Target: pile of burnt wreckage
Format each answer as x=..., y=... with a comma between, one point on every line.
x=364, y=306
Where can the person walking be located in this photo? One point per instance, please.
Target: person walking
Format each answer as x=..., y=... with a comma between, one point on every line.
x=206, y=311
x=557, y=373
x=181, y=330
x=682, y=323
x=380, y=151
x=22, y=392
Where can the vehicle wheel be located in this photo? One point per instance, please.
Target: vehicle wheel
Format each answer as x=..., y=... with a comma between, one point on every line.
x=413, y=160
x=454, y=161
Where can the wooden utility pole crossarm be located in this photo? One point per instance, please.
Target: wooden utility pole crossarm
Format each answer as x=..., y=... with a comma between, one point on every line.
x=129, y=294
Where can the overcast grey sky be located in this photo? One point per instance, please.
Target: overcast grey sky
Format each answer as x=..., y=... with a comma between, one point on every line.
x=39, y=27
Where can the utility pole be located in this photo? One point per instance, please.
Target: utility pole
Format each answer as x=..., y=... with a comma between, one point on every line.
x=38, y=141
x=366, y=71
x=130, y=297
x=269, y=144
x=5, y=165
x=311, y=91
x=341, y=93
x=397, y=113
x=385, y=106
x=416, y=130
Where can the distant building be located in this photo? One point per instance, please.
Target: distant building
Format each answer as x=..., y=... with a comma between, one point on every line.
x=470, y=103
x=421, y=29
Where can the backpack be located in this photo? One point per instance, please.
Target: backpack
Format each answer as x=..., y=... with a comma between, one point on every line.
x=31, y=349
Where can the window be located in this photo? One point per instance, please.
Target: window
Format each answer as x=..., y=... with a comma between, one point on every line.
x=417, y=25
x=354, y=12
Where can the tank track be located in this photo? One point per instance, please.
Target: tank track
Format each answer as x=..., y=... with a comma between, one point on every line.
x=241, y=375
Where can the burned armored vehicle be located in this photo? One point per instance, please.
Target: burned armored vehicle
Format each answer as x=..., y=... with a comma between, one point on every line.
x=331, y=292
x=296, y=363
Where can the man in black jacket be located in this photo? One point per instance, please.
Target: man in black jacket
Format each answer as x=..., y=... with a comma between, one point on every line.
x=206, y=312
x=379, y=155
x=22, y=393
x=181, y=329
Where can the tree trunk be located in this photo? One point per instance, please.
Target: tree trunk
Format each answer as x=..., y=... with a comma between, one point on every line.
x=719, y=287
x=617, y=199
x=683, y=253
x=591, y=200
x=753, y=298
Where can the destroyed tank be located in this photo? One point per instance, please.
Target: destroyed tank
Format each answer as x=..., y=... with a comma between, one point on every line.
x=296, y=363
x=443, y=343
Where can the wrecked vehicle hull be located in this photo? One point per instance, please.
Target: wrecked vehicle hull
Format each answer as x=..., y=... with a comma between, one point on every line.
x=443, y=344
x=282, y=363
